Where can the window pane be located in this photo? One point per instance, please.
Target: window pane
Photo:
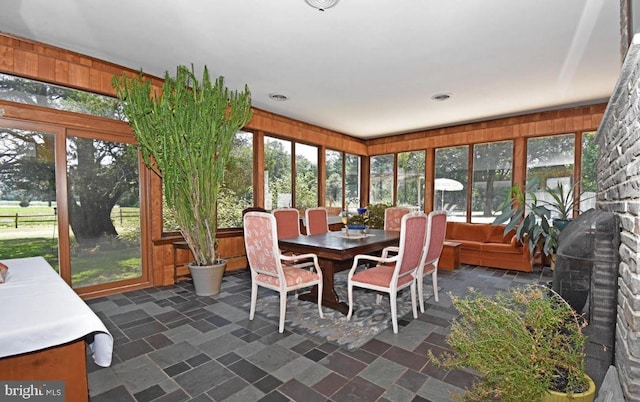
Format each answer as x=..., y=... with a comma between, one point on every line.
x=492, y=169
x=236, y=192
x=352, y=173
x=28, y=215
x=104, y=211
x=550, y=162
x=588, y=177
x=335, y=179
x=277, y=173
x=451, y=166
x=381, y=179
x=306, y=176
x=411, y=179
x=32, y=92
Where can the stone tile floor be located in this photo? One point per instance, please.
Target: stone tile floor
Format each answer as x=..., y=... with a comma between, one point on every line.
x=171, y=345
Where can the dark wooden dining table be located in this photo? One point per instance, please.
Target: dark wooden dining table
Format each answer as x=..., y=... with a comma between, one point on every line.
x=335, y=253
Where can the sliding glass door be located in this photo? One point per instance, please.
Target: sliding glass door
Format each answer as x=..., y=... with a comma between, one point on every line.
x=72, y=197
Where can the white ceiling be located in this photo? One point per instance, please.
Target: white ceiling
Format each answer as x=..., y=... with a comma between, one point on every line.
x=366, y=68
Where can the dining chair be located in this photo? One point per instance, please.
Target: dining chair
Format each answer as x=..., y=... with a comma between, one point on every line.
x=268, y=267
x=287, y=221
x=316, y=220
x=436, y=231
x=393, y=217
x=288, y=225
x=391, y=278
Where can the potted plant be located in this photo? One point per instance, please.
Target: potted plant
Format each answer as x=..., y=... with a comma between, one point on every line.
x=185, y=135
x=563, y=202
x=525, y=344
x=530, y=219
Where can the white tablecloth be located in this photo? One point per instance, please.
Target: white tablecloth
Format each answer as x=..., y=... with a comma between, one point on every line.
x=39, y=310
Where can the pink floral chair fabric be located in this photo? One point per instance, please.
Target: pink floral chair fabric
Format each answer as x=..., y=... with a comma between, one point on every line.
x=268, y=267
x=393, y=217
x=392, y=274
x=316, y=220
x=436, y=231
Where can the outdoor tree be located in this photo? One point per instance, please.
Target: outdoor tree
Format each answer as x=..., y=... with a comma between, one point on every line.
x=102, y=173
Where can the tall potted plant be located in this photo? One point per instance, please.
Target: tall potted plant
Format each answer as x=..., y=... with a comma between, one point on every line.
x=531, y=220
x=185, y=135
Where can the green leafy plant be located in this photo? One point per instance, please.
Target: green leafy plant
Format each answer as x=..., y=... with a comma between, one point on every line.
x=376, y=215
x=522, y=343
x=562, y=200
x=531, y=219
x=185, y=135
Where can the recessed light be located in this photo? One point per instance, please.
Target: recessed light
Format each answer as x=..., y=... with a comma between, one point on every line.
x=278, y=97
x=441, y=97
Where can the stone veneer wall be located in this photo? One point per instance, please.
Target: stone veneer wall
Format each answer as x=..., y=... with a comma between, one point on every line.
x=618, y=169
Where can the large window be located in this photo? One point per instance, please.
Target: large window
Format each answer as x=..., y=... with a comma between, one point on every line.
x=236, y=192
x=381, y=179
x=352, y=178
x=410, y=188
x=550, y=162
x=451, y=181
x=492, y=172
x=335, y=179
x=306, y=179
x=28, y=208
x=104, y=211
x=342, y=179
x=588, y=177
x=22, y=90
x=277, y=173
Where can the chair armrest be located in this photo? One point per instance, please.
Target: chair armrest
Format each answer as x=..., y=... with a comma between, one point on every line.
x=367, y=257
x=296, y=259
x=386, y=250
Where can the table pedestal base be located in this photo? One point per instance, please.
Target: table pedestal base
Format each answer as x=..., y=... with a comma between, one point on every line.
x=329, y=296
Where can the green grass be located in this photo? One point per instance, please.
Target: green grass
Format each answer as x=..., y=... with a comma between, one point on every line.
x=89, y=267
x=105, y=266
x=22, y=248
x=113, y=260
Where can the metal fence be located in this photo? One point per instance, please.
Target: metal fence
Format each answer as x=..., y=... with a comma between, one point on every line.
x=16, y=220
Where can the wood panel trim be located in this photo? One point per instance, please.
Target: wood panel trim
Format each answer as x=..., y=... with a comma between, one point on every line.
x=585, y=118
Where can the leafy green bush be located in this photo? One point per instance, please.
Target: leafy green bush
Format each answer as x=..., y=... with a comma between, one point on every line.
x=522, y=343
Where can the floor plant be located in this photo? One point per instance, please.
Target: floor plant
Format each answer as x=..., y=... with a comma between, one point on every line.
x=521, y=343
x=185, y=134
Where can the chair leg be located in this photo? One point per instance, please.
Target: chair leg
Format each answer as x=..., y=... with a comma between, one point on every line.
x=434, y=280
x=414, y=308
x=283, y=310
x=394, y=310
x=254, y=298
x=378, y=298
x=350, y=297
x=320, y=299
x=419, y=280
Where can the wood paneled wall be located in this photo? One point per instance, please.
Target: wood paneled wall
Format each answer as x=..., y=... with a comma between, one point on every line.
x=42, y=62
